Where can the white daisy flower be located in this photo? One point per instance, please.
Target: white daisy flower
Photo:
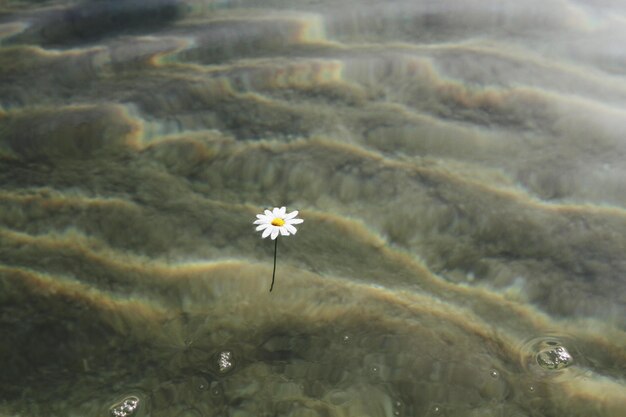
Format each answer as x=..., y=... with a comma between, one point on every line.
x=276, y=222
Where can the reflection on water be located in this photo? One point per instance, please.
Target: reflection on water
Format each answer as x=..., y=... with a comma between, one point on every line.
x=459, y=164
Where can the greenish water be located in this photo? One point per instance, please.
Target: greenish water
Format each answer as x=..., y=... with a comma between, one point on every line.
x=459, y=166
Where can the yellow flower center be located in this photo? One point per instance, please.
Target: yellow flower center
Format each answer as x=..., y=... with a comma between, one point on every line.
x=278, y=222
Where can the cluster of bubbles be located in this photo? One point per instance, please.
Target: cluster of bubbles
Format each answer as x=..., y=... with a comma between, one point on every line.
x=125, y=408
x=553, y=356
x=546, y=354
x=540, y=353
x=131, y=405
x=225, y=361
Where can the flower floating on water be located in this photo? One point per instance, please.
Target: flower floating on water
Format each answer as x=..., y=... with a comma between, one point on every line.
x=274, y=223
x=277, y=222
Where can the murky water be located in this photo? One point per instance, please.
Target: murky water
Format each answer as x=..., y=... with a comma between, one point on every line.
x=460, y=167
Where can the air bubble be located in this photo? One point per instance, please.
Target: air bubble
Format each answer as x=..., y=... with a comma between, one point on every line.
x=216, y=390
x=125, y=408
x=345, y=339
x=554, y=357
x=200, y=383
x=494, y=373
x=435, y=410
x=397, y=408
x=546, y=354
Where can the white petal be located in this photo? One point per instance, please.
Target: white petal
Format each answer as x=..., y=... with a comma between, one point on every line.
x=274, y=232
x=267, y=232
x=275, y=212
x=262, y=227
x=268, y=213
x=282, y=211
x=294, y=221
x=261, y=216
x=291, y=215
x=290, y=228
x=261, y=221
x=283, y=231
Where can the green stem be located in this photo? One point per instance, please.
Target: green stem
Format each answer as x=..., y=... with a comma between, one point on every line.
x=274, y=271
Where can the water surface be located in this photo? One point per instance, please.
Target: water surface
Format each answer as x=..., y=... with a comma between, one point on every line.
x=459, y=166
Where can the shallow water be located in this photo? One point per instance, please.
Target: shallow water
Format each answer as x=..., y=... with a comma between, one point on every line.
x=459, y=166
